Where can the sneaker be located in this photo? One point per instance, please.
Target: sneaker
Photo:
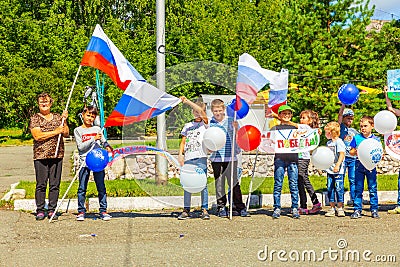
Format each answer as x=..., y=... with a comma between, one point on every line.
x=277, y=213
x=222, y=213
x=330, y=213
x=235, y=213
x=105, y=216
x=350, y=203
x=80, y=217
x=184, y=215
x=374, y=214
x=340, y=212
x=315, y=208
x=40, y=216
x=356, y=215
x=295, y=213
x=394, y=211
x=303, y=211
x=244, y=213
x=50, y=214
x=205, y=215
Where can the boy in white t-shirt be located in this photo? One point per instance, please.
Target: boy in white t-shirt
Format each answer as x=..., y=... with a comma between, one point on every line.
x=335, y=182
x=191, y=151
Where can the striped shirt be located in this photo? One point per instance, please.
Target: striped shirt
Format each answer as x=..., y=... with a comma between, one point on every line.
x=225, y=153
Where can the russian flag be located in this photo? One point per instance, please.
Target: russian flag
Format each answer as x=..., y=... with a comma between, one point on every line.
x=140, y=101
x=102, y=54
x=252, y=78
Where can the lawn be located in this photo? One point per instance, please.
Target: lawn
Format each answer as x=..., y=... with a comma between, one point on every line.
x=147, y=187
x=14, y=137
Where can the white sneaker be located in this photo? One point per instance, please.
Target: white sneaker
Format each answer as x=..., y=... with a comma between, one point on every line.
x=80, y=217
x=330, y=213
x=340, y=212
x=105, y=216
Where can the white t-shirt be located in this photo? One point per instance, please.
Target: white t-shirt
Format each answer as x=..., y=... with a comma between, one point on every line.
x=194, y=132
x=337, y=147
x=305, y=154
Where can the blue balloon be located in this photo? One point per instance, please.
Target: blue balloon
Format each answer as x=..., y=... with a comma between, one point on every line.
x=348, y=94
x=97, y=159
x=241, y=113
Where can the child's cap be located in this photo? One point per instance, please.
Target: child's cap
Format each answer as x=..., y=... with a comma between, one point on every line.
x=348, y=112
x=285, y=107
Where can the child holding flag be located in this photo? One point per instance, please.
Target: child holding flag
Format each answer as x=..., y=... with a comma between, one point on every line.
x=86, y=137
x=191, y=151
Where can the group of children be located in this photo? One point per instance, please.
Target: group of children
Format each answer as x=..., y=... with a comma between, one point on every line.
x=342, y=140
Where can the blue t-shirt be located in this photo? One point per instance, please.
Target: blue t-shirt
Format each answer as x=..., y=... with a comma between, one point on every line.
x=359, y=138
x=347, y=135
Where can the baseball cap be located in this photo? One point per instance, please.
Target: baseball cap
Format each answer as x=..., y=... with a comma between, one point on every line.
x=285, y=107
x=348, y=112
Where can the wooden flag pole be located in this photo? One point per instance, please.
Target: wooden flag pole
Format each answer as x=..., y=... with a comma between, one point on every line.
x=66, y=107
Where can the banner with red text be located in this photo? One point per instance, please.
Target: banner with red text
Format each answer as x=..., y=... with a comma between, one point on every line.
x=289, y=141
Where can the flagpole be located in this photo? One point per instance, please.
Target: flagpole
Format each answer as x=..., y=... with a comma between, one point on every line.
x=161, y=163
x=252, y=175
x=66, y=107
x=232, y=163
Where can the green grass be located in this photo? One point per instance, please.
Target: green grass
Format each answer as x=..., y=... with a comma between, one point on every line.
x=147, y=187
x=14, y=137
x=171, y=143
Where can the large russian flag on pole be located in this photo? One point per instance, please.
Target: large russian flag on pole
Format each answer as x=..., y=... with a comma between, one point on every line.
x=252, y=78
x=102, y=54
x=140, y=101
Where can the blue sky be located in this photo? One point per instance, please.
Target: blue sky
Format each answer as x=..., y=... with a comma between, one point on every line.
x=386, y=9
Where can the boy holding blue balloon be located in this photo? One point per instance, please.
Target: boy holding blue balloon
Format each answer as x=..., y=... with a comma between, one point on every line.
x=191, y=151
x=345, y=119
x=366, y=126
x=222, y=161
x=89, y=137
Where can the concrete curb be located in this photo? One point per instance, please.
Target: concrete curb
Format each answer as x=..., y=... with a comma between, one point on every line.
x=171, y=202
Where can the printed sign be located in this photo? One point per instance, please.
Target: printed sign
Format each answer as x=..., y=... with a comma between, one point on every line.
x=289, y=141
x=393, y=80
x=392, y=144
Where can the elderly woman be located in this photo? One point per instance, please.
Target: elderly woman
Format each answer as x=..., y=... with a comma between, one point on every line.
x=46, y=127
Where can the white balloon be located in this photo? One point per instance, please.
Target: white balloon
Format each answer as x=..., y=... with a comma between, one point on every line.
x=193, y=179
x=369, y=153
x=214, y=138
x=385, y=122
x=322, y=158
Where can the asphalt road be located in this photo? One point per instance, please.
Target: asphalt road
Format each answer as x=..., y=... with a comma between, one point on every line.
x=157, y=238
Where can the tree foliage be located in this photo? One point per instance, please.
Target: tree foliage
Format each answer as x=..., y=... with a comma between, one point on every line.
x=323, y=44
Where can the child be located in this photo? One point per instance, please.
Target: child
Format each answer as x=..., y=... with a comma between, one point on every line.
x=86, y=137
x=191, y=151
x=335, y=173
x=308, y=120
x=397, y=113
x=345, y=119
x=221, y=162
x=284, y=161
x=366, y=126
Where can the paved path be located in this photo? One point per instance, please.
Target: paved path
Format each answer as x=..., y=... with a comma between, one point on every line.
x=16, y=164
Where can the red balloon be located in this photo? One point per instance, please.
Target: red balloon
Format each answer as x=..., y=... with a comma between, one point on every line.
x=248, y=137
